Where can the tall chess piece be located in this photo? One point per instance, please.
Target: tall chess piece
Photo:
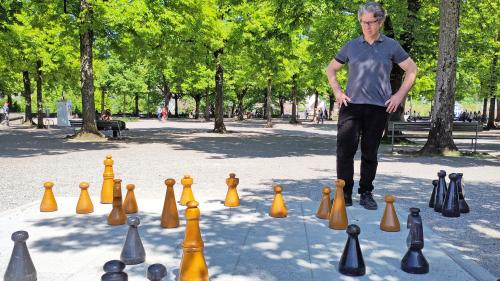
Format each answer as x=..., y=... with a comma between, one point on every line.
x=133, y=250
x=169, y=215
x=107, y=184
x=351, y=261
x=193, y=266
x=117, y=215
x=156, y=272
x=20, y=267
x=114, y=271
x=232, y=198
x=464, y=207
x=278, y=208
x=130, y=204
x=414, y=260
x=48, y=203
x=187, y=192
x=440, y=192
x=451, y=207
x=84, y=205
x=338, y=214
x=433, y=195
x=326, y=204
x=390, y=221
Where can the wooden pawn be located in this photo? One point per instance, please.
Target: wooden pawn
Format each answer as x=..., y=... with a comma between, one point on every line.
x=169, y=215
x=390, y=221
x=48, y=203
x=338, y=214
x=84, y=205
x=130, y=204
x=278, y=208
x=326, y=204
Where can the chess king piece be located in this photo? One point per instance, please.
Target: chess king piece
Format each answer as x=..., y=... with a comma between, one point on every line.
x=156, y=272
x=433, y=195
x=232, y=199
x=278, y=208
x=390, y=221
x=20, y=267
x=440, y=191
x=464, y=207
x=133, y=250
x=130, y=204
x=193, y=266
x=169, y=215
x=187, y=192
x=326, y=204
x=414, y=260
x=84, y=205
x=351, y=261
x=48, y=203
x=107, y=184
x=451, y=208
x=338, y=214
x=117, y=215
x=114, y=271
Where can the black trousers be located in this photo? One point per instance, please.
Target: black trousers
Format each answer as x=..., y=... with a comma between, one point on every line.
x=365, y=122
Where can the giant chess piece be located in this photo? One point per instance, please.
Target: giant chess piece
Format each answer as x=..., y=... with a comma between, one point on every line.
x=440, y=192
x=20, y=267
x=156, y=272
x=232, y=198
x=133, y=250
x=48, y=203
x=414, y=260
x=338, y=214
x=326, y=204
x=169, y=215
x=193, y=266
x=351, y=261
x=117, y=215
x=107, y=184
x=84, y=205
x=433, y=195
x=451, y=207
x=187, y=192
x=389, y=221
x=130, y=204
x=464, y=207
x=114, y=271
x=278, y=208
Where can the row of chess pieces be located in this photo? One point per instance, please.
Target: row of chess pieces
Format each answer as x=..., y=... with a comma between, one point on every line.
x=449, y=199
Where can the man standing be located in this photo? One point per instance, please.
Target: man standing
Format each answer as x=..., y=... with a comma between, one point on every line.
x=6, y=113
x=368, y=99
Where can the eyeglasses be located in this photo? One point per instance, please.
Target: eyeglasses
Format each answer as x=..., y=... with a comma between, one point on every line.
x=368, y=23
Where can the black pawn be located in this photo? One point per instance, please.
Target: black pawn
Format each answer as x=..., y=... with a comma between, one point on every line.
x=351, y=261
x=440, y=192
x=464, y=207
x=414, y=260
x=20, y=266
x=133, y=250
x=433, y=195
x=114, y=271
x=450, y=206
x=156, y=272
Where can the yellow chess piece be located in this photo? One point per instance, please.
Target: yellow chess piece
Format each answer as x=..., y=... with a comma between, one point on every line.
x=193, y=266
x=84, y=205
x=170, y=215
x=107, y=184
x=130, y=204
x=278, y=208
x=390, y=221
x=326, y=204
x=117, y=215
x=338, y=213
x=187, y=192
x=232, y=199
x=49, y=203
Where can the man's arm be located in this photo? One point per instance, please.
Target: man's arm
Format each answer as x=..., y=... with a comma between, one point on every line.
x=331, y=73
x=410, y=69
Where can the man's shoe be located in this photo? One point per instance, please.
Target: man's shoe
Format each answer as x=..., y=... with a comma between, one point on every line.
x=366, y=200
x=348, y=199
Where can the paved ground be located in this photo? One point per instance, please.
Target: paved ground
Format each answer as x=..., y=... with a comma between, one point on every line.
x=301, y=158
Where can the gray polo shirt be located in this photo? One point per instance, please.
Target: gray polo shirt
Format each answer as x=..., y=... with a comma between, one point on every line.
x=370, y=68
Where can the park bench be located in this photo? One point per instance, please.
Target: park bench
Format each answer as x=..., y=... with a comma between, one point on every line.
x=117, y=126
x=415, y=130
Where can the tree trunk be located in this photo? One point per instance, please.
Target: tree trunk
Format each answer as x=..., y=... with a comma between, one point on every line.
x=219, y=97
x=315, y=110
x=485, y=107
x=492, y=89
x=332, y=106
x=39, y=99
x=197, y=100
x=293, y=120
x=440, y=137
x=124, y=104
x=233, y=107
x=28, y=116
x=103, y=96
x=491, y=115
x=207, y=104
x=240, y=96
x=136, y=111
x=167, y=95
x=176, y=105
x=269, y=108
x=265, y=104
x=498, y=110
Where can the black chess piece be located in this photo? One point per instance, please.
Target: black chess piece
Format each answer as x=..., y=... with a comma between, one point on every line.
x=414, y=260
x=415, y=212
x=433, y=195
x=133, y=250
x=464, y=207
x=351, y=261
x=114, y=271
x=450, y=206
x=20, y=266
x=156, y=272
x=440, y=192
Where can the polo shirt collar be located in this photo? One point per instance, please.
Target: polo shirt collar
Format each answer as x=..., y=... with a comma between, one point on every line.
x=381, y=38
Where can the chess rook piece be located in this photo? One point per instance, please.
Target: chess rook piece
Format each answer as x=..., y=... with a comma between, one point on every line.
x=114, y=271
x=107, y=184
x=193, y=266
x=49, y=203
x=156, y=272
x=433, y=195
x=326, y=204
x=20, y=267
x=451, y=207
x=169, y=215
x=117, y=215
x=84, y=205
x=133, y=250
x=278, y=208
x=440, y=191
x=351, y=261
x=232, y=199
x=338, y=214
x=390, y=221
x=414, y=260
x=187, y=192
x=130, y=204
x=464, y=207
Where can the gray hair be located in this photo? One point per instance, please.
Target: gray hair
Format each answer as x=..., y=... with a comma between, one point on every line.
x=373, y=8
